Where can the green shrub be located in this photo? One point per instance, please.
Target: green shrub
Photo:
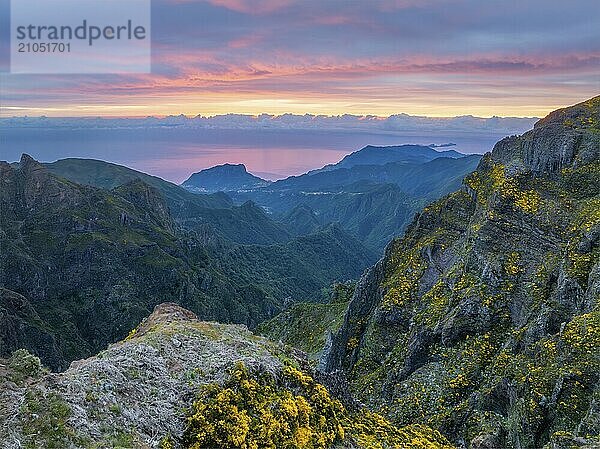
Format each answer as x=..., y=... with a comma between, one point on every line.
x=23, y=365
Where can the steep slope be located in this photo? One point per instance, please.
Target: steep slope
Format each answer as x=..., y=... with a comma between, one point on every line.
x=373, y=213
x=223, y=178
x=177, y=382
x=483, y=321
x=246, y=224
x=22, y=327
x=308, y=325
x=86, y=264
x=302, y=220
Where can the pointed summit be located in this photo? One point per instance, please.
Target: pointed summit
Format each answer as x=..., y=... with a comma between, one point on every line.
x=26, y=158
x=27, y=163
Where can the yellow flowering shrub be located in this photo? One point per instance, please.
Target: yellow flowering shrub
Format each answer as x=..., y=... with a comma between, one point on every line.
x=589, y=216
x=512, y=265
x=526, y=200
x=583, y=333
x=254, y=411
x=373, y=431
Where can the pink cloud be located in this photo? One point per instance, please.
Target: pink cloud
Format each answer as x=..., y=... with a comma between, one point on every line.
x=254, y=7
x=304, y=76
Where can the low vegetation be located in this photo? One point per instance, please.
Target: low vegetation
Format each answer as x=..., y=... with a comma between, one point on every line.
x=290, y=411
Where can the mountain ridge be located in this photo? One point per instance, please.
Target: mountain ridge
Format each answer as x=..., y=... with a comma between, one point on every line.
x=178, y=382
x=381, y=155
x=241, y=224
x=80, y=264
x=490, y=299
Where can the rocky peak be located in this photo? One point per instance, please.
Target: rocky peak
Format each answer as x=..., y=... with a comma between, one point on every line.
x=226, y=177
x=29, y=185
x=169, y=311
x=584, y=115
x=32, y=169
x=170, y=386
x=134, y=392
x=164, y=313
x=566, y=137
x=233, y=168
x=28, y=163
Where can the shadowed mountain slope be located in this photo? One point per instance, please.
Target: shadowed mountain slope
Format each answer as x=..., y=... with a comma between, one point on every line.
x=80, y=265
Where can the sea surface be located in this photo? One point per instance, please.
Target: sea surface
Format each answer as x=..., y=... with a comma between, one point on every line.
x=174, y=154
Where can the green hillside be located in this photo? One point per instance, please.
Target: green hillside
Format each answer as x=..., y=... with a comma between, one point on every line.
x=372, y=202
x=244, y=224
x=309, y=325
x=80, y=265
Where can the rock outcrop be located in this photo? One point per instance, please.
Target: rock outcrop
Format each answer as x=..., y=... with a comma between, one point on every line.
x=145, y=391
x=565, y=138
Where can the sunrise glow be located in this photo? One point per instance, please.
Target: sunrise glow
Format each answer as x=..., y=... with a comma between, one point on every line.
x=379, y=58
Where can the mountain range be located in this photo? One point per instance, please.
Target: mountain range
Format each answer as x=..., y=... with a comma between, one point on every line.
x=242, y=224
x=90, y=247
x=371, y=193
x=81, y=265
x=377, y=155
x=478, y=328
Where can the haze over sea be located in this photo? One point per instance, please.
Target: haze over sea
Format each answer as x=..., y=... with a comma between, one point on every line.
x=274, y=148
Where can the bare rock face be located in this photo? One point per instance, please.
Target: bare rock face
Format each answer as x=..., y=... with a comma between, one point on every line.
x=566, y=137
x=339, y=355
x=170, y=311
x=150, y=200
x=165, y=313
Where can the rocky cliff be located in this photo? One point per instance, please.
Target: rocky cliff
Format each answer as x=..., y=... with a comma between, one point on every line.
x=483, y=320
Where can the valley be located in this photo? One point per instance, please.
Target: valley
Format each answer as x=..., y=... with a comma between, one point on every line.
x=126, y=301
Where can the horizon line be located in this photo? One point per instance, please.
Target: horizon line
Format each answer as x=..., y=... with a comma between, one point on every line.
x=263, y=114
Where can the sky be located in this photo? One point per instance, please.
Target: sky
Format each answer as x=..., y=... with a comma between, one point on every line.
x=377, y=57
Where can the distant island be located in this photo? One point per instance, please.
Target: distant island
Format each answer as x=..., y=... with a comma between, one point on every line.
x=442, y=145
